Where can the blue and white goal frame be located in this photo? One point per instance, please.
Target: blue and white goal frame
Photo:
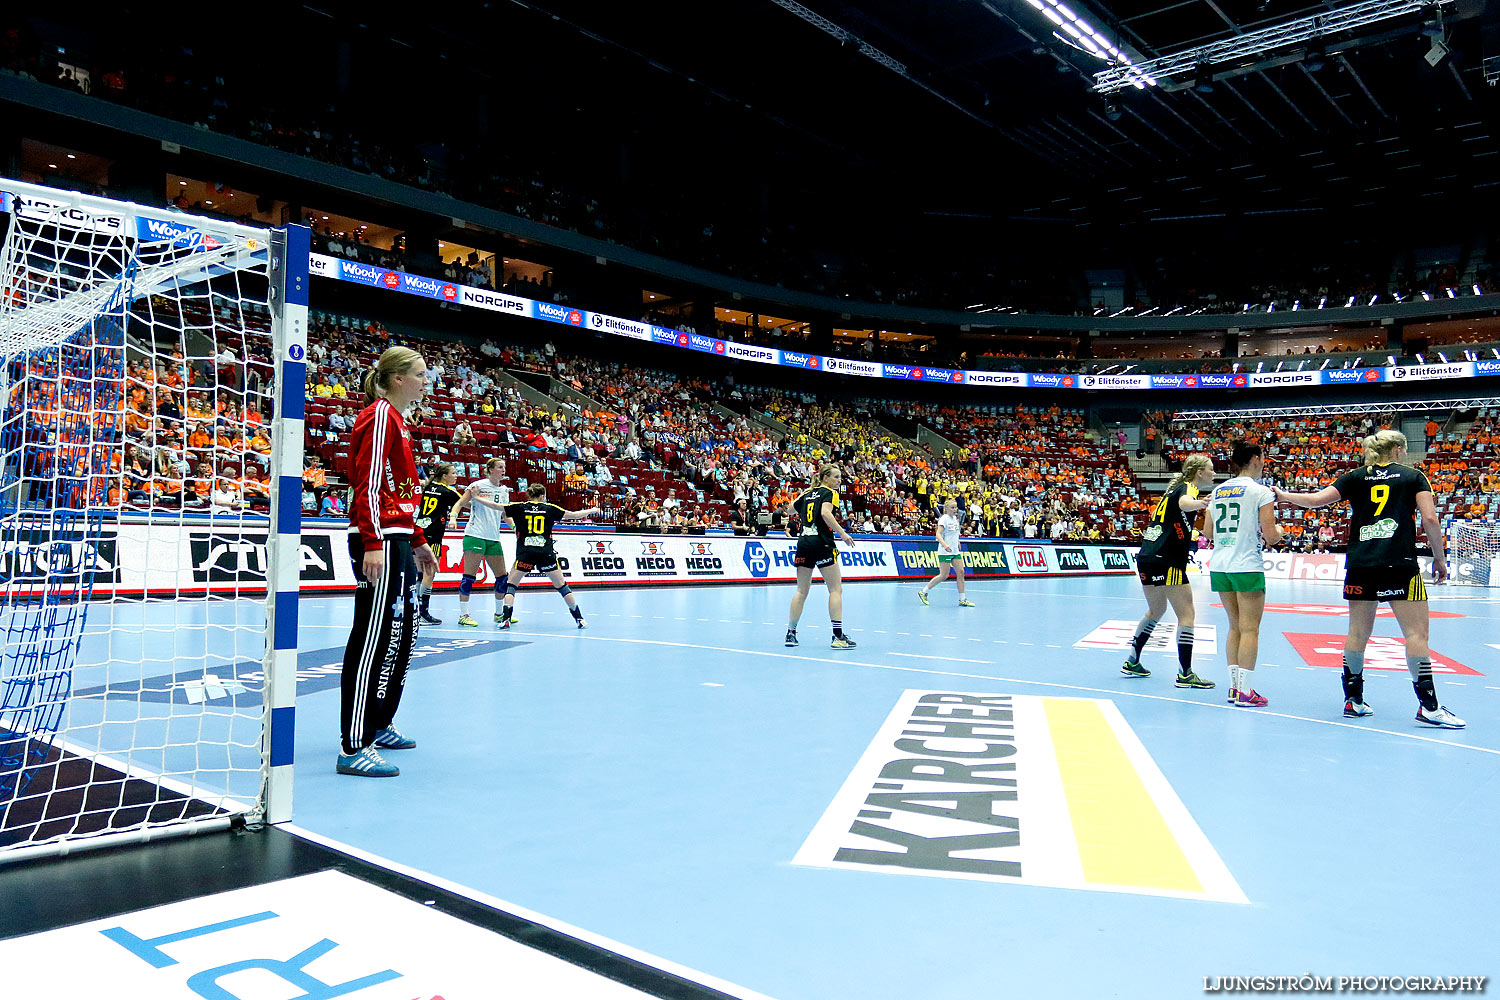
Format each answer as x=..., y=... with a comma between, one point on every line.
x=290, y=246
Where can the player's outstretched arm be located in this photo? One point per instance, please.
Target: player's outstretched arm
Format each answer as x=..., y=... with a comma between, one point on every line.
x=460, y=504
x=584, y=514
x=1322, y=498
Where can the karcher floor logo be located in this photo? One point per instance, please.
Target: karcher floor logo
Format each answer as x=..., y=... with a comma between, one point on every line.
x=1053, y=792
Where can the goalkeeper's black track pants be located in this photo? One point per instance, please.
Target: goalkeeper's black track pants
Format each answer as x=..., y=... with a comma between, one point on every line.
x=380, y=642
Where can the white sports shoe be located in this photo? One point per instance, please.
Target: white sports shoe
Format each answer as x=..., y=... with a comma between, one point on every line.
x=1440, y=717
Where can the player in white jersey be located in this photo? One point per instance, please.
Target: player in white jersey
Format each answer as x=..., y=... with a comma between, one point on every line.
x=482, y=535
x=950, y=553
x=1242, y=523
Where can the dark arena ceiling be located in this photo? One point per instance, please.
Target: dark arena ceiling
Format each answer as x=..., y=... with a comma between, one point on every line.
x=974, y=109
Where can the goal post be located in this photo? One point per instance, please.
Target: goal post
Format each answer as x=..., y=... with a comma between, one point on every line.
x=290, y=279
x=151, y=402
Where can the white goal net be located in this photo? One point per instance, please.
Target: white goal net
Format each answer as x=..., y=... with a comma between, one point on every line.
x=1474, y=553
x=137, y=421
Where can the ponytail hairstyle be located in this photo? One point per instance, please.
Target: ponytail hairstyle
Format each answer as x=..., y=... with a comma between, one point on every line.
x=1191, y=466
x=437, y=473
x=394, y=361
x=826, y=472
x=1244, y=453
x=1381, y=446
x=537, y=491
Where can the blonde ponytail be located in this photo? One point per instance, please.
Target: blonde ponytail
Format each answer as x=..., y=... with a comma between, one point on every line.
x=394, y=361
x=1382, y=445
x=1191, y=466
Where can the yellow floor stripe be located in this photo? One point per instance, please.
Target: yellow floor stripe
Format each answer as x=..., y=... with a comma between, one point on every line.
x=1122, y=837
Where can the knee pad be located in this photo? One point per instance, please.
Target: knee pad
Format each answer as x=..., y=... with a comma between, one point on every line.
x=466, y=585
x=512, y=588
x=502, y=585
x=565, y=590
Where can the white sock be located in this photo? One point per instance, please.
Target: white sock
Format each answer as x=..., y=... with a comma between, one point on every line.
x=1234, y=677
x=1246, y=678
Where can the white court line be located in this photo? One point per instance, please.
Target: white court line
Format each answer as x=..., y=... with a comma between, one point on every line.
x=1111, y=692
x=494, y=902
x=945, y=659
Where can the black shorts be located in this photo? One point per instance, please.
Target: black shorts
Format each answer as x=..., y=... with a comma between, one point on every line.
x=1384, y=583
x=1160, y=574
x=541, y=560
x=815, y=552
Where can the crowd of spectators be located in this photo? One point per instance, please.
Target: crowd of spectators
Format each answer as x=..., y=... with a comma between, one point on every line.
x=1307, y=453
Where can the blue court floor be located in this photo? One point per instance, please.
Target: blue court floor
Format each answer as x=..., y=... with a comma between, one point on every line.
x=653, y=778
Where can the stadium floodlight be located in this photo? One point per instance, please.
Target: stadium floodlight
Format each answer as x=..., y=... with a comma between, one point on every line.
x=1243, y=51
x=1077, y=33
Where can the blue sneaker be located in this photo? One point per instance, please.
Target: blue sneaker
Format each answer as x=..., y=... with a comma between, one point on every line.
x=367, y=763
x=390, y=738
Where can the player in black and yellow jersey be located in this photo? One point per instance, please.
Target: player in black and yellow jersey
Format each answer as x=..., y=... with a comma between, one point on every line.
x=533, y=520
x=1166, y=547
x=1381, y=565
x=438, y=498
x=814, y=518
